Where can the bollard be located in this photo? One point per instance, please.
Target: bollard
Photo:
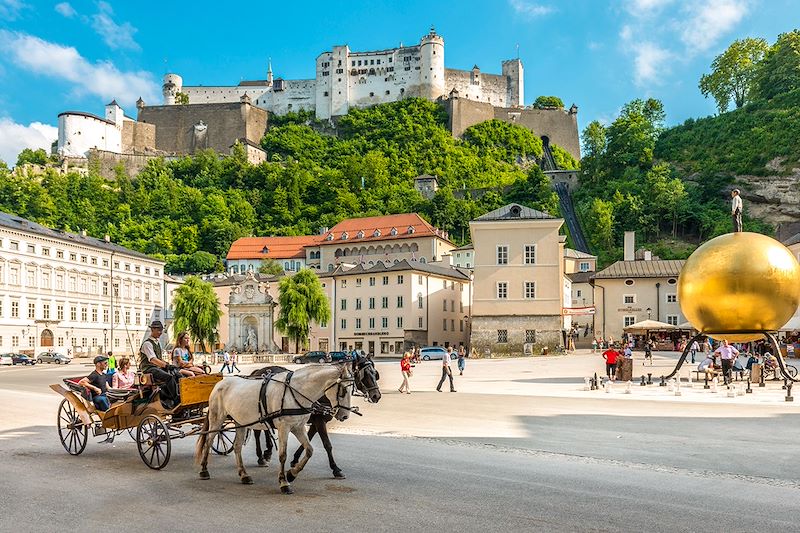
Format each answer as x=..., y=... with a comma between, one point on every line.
x=784, y=383
x=608, y=386
x=628, y=387
x=714, y=384
x=643, y=383
x=706, y=386
x=732, y=391
x=587, y=383
x=671, y=385
x=789, y=397
x=739, y=389
x=678, y=388
x=663, y=382
x=748, y=390
x=689, y=379
x=761, y=381
x=649, y=378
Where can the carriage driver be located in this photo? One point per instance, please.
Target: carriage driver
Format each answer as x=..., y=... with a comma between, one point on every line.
x=150, y=362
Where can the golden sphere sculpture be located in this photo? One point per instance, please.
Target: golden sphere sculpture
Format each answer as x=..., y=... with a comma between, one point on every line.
x=739, y=282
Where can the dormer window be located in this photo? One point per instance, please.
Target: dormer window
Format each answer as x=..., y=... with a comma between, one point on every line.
x=360, y=234
x=265, y=250
x=410, y=230
x=329, y=237
x=394, y=231
x=344, y=235
x=376, y=233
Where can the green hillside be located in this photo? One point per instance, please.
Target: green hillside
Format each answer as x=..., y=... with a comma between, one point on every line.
x=189, y=211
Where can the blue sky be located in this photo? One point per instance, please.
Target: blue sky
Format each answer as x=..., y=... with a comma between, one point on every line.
x=78, y=55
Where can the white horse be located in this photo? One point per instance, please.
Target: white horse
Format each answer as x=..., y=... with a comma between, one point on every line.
x=288, y=405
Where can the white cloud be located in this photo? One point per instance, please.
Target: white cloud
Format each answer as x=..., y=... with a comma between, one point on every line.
x=66, y=10
x=115, y=35
x=65, y=63
x=16, y=137
x=651, y=62
x=530, y=9
x=9, y=9
x=646, y=8
x=707, y=22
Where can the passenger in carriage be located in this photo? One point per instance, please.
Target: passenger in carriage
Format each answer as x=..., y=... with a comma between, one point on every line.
x=97, y=383
x=183, y=358
x=124, y=377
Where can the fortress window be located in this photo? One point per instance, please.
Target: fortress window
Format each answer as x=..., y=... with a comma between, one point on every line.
x=372, y=94
x=326, y=93
x=387, y=92
x=379, y=61
x=352, y=63
x=359, y=62
x=390, y=60
x=371, y=61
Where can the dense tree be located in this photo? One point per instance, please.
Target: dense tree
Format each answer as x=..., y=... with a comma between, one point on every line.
x=631, y=138
x=733, y=73
x=544, y=102
x=302, y=301
x=37, y=157
x=271, y=267
x=197, y=310
x=779, y=72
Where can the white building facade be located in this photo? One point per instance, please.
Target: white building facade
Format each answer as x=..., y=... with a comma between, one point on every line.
x=62, y=291
x=346, y=79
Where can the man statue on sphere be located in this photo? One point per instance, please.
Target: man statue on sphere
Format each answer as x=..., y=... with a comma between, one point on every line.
x=736, y=210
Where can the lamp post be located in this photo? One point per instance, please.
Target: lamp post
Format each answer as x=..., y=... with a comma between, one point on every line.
x=469, y=333
x=105, y=340
x=648, y=313
x=25, y=332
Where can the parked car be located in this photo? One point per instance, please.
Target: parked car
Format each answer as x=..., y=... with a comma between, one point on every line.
x=6, y=359
x=21, y=359
x=53, y=357
x=337, y=356
x=311, y=357
x=432, y=353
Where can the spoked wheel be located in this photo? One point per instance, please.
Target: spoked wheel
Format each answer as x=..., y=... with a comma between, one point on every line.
x=152, y=439
x=222, y=442
x=132, y=432
x=71, y=430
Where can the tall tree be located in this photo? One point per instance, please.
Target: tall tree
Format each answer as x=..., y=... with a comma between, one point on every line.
x=631, y=138
x=779, y=72
x=302, y=301
x=197, y=310
x=733, y=73
x=270, y=266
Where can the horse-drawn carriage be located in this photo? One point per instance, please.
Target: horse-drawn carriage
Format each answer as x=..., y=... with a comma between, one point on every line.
x=139, y=412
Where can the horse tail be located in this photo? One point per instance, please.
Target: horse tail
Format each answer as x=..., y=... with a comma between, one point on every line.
x=201, y=442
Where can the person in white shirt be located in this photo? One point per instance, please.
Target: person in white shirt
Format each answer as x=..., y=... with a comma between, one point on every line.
x=736, y=210
x=446, y=371
x=728, y=355
x=693, y=349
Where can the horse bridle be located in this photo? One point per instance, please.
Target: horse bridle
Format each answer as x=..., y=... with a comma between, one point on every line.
x=360, y=366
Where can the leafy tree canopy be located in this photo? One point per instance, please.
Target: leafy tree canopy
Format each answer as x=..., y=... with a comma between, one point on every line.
x=544, y=102
x=302, y=301
x=197, y=310
x=734, y=73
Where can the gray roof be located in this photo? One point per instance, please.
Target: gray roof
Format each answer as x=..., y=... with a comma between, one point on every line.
x=514, y=212
x=641, y=269
x=792, y=240
x=580, y=277
x=577, y=254
x=380, y=267
x=469, y=246
x=21, y=224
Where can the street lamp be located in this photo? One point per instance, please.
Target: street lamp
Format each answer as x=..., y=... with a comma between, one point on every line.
x=648, y=313
x=469, y=333
x=105, y=340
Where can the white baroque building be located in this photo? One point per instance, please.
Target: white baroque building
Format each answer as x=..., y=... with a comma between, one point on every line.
x=63, y=291
x=345, y=79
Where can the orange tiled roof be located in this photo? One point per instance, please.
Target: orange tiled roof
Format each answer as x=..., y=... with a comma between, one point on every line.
x=276, y=247
x=384, y=225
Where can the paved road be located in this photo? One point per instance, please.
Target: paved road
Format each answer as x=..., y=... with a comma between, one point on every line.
x=520, y=447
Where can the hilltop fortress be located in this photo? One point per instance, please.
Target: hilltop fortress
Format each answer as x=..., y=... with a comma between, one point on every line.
x=219, y=117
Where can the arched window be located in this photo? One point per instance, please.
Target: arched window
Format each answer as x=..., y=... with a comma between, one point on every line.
x=422, y=260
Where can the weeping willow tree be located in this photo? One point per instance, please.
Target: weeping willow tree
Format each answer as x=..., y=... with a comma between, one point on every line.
x=197, y=311
x=302, y=301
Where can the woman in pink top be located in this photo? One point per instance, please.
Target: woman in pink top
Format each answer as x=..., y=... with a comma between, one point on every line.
x=124, y=377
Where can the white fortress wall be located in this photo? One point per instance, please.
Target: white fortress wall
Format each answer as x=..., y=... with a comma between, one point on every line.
x=78, y=132
x=475, y=85
x=294, y=96
x=219, y=94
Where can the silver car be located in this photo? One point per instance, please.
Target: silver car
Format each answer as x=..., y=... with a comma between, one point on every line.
x=6, y=359
x=432, y=353
x=53, y=357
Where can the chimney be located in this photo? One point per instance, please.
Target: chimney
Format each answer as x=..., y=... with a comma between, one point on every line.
x=447, y=259
x=83, y=233
x=323, y=230
x=630, y=245
x=107, y=238
x=648, y=255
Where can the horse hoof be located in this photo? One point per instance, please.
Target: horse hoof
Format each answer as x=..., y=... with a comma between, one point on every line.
x=262, y=462
x=338, y=474
x=290, y=477
x=247, y=480
x=286, y=489
x=205, y=475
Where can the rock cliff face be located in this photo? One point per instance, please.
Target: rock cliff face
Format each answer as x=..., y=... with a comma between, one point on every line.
x=775, y=199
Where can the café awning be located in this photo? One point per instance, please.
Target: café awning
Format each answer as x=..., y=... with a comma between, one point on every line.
x=649, y=325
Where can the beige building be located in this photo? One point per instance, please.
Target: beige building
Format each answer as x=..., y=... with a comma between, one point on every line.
x=577, y=261
x=388, y=308
x=463, y=256
x=579, y=268
x=518, y=281
x=639, y=287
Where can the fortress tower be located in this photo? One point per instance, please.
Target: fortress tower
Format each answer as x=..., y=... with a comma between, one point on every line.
x=432, y=79
x=514, y=73
x=171, y=87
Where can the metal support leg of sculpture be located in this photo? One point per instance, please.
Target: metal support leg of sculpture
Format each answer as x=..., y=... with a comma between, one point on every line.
x=781, y=364
x=684, y=354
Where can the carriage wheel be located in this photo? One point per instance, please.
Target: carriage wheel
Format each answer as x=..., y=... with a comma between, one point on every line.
x=222, y=442
x=71, y=430
x=152, y=439
x=132, y=432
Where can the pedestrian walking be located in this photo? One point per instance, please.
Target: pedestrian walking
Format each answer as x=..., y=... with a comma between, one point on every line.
x=693, y=349
x=226, y=362
x=462, y=360
x=405, y=370
x=736, y=210
x=648, y=351
x=594, y=345
x=234, y=358
x=446, y=371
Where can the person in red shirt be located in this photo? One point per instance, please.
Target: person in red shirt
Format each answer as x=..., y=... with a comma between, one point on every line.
x=610, y=356
x=405, y=369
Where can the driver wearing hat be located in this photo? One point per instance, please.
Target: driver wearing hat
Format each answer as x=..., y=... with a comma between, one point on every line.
x=151, y=362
